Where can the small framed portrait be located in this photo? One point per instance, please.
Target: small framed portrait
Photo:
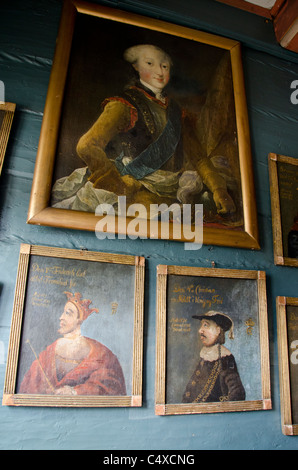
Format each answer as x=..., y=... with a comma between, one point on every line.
x=287, y=335
x=7, y=111
x=77, y=330
x=212, y=352
x=150, y=119
x=283, y=173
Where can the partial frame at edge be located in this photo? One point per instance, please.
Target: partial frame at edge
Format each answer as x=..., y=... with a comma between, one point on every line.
x=278, y=251
x=288, y=427
x=8, y=109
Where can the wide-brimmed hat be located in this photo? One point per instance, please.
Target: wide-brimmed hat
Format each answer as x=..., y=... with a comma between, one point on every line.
x=221, y=319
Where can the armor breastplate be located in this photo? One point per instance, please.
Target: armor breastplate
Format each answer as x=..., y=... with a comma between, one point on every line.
x=151, y=123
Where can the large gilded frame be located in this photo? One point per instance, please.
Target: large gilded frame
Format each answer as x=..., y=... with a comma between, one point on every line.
x=192, y=291
x=128, y=313
x=42, y=213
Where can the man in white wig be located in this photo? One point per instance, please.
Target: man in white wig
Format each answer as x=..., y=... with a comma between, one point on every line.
x=142, y=142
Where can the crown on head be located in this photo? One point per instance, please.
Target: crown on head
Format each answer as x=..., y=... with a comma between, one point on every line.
x=82, y=305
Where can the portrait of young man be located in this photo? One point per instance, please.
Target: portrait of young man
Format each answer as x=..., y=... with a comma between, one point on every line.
x=155, y=123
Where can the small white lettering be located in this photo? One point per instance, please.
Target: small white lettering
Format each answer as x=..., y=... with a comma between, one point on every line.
x=2, y=92
x=294, y=94
x=294, y=355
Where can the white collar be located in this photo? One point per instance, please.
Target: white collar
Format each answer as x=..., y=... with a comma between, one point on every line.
x=212, y=354
x=157, y=92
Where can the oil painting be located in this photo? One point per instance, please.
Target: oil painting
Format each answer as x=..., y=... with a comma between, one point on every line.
x=214, y=360
x=284, y=203
x=150, y=112
x=287, y=335
x=78, y=333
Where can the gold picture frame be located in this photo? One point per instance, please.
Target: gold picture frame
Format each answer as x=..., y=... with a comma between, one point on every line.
x=104, y=368
x=7, y=111
x=287, y=315
x=185, y=383
x=238, y=230
x=283, y=174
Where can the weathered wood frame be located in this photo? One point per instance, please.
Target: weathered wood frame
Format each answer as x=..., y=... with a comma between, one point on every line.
x=9, y=110
x=288, y=427
x=161, y=407
x=9, y=395
x=41, y=213
x=279, y=256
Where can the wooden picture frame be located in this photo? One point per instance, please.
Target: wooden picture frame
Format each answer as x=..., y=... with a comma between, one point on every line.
x=79, y=83
x=7, y=111
x=189, y=370
x=287, y=315
x=104, y=366
x=283, y=174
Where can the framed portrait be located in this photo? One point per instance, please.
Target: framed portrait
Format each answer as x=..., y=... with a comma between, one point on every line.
x=287, y=328
x=77, y=330
x=6, y=117
x=283, y=172
x=212, y=348
x=144, y=120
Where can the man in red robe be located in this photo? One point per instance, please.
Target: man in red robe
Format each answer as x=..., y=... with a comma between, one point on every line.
x=75, y=364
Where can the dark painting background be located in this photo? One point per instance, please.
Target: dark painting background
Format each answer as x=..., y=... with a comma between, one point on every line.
x=292, y=324
x=288, y=191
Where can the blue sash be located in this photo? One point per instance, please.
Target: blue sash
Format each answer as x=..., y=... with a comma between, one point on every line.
x=158, y=152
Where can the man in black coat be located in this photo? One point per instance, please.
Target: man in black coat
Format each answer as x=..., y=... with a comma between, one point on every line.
x=216, y=377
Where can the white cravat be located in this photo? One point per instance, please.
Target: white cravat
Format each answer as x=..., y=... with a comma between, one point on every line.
x=158, y=94
x=211, y=353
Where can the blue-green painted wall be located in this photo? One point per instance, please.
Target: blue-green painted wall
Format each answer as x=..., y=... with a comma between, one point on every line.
x=27, y=40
